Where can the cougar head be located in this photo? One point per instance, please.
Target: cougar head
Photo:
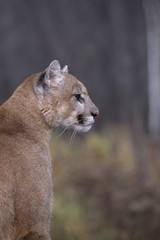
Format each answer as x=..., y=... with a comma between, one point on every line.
x=64, y=100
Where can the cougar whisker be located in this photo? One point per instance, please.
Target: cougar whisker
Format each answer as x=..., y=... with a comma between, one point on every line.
x=65, y=129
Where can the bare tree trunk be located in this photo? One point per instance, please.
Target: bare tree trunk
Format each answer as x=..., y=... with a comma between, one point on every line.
x=152, y=10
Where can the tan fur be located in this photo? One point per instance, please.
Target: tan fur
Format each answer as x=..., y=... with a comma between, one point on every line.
x=27, y=121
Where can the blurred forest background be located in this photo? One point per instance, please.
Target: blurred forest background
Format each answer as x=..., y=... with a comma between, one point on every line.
x=106, y=186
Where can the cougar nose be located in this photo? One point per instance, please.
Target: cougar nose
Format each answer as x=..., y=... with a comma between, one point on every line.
x=95, y=114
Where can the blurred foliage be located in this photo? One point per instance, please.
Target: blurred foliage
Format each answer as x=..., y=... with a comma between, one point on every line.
x=106, y=186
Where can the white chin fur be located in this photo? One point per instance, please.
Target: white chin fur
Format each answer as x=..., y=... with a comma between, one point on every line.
x=83, y=128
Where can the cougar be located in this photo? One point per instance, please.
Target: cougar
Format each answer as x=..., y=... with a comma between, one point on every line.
x=43, y=102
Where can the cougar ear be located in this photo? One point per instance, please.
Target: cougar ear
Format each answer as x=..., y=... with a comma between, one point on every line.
x=54, y=70
x=65, y=69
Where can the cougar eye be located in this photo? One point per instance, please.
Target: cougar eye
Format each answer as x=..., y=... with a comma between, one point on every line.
x=77, y=96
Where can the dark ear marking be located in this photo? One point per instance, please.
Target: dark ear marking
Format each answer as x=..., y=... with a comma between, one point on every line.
x=41, y=80
x=43, y=83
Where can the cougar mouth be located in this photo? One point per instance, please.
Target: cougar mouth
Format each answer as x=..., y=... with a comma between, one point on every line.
x=80, y=119
x=84, y=123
